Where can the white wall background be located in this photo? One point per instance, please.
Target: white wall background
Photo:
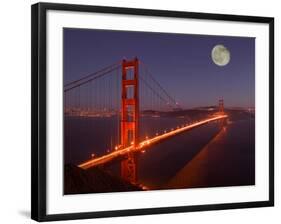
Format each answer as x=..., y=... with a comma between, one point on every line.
x=15, y=110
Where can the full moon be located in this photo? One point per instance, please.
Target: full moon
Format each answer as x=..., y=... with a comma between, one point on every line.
x=220, y=55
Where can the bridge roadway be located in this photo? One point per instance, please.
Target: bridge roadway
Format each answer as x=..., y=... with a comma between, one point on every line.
x=144, y=144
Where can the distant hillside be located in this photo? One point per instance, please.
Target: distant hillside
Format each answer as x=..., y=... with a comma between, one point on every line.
x=235, y=114
x=94, y=180
x=202, y=112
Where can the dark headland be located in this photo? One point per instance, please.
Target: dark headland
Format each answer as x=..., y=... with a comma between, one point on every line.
x=93, y=180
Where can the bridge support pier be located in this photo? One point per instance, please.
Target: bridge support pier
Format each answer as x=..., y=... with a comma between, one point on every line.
x=129, y=168
x=130, y=117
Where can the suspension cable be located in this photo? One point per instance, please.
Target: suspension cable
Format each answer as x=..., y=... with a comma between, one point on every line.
x=158, y=84
x=91, y=79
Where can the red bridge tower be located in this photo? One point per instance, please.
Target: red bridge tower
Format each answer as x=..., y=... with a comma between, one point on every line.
x=221, y=106
x=130, y=117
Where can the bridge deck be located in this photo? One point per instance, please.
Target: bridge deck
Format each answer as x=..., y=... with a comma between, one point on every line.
x=144, y=144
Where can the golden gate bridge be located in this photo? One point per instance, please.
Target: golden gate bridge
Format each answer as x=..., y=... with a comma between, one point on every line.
x=127, y=91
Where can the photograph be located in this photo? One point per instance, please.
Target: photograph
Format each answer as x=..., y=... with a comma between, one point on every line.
x=146, y=111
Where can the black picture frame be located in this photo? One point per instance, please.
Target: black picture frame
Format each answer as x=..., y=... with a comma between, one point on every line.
x=38, y=108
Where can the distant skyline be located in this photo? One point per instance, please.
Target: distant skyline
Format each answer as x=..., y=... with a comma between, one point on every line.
x=181, y=63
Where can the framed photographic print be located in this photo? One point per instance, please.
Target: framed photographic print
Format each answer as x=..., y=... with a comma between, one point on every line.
x=138, y=111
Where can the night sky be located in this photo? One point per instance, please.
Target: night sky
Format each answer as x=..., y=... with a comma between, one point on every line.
x=181, y=63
